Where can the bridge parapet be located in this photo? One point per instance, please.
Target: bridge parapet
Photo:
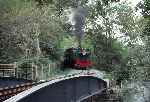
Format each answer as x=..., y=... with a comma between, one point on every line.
x=73, y=88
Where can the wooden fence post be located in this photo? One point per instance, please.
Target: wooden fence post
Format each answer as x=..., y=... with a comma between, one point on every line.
x=15, y=70
x=42, y=72
x=49, y=69
x=34, y=72
x=33, y=69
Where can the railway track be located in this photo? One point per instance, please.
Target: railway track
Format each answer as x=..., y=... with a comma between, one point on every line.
x=7, y=92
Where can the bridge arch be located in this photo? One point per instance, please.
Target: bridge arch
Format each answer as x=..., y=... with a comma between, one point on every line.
x=69, y=89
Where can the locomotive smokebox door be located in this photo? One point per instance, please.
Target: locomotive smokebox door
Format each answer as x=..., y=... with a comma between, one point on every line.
x=77, y=58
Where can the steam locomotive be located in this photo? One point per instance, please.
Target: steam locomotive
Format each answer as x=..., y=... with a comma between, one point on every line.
x=77, y=58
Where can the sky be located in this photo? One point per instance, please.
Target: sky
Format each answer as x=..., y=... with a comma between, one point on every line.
x=133, y=2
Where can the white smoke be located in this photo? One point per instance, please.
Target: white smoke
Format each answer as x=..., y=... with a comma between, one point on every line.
x=78, y=21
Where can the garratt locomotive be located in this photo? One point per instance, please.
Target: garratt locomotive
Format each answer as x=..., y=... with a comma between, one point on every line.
x=77, y=58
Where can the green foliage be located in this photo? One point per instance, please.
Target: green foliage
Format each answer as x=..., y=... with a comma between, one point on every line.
x=140, y=55
x=8, y=40
x=107, y=50
x=107, y=22
x=22, y=25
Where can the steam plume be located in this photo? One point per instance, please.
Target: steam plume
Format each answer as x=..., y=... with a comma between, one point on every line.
x=78, y=21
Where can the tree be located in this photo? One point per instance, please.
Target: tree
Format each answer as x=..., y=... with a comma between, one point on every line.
x=25, y=28
x=103, y=20
x=145, y=35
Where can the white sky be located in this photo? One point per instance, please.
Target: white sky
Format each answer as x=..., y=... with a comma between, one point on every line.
x=133, y=2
